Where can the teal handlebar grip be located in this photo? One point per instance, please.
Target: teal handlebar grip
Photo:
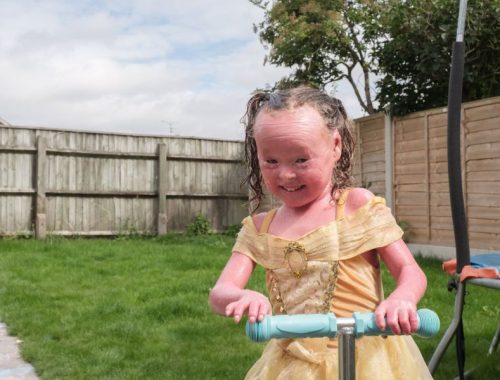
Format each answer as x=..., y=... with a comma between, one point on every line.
x=292, y=326
x=428, y=324
x=325, y=325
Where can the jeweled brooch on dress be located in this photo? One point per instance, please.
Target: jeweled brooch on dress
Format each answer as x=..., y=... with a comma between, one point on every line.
x=295, y=255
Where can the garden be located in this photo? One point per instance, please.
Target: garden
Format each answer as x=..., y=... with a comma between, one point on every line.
x=136, y=308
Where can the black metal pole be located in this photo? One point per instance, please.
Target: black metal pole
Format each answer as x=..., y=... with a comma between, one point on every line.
x=454, y=159
x=455, y=171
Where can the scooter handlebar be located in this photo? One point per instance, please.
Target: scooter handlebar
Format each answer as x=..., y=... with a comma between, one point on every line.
x=326, y=325
x=428, y=324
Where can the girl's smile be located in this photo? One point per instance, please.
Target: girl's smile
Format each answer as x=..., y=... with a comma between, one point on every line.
x=295, y=189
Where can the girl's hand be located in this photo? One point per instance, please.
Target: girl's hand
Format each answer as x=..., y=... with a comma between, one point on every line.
x=400, y=308
x=401, y=316
x=255, y=304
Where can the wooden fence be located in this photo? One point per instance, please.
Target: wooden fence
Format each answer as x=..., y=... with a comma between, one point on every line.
x=369, y=161
x=82, y=183
x=416, y=174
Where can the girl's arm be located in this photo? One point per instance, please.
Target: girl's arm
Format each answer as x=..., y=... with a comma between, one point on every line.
x=400, y=308
x=229, y=296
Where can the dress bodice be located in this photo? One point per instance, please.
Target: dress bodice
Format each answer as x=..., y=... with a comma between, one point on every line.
x=323, y=270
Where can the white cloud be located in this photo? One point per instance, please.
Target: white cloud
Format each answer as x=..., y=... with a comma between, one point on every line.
x=131, y=66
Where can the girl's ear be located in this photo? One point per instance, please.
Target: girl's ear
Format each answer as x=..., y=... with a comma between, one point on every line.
x=337, y=144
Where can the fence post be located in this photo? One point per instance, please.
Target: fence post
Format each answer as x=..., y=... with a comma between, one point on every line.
x=427, y=175
x=359, y=148
x=41, y=199
x=162, y=189
x=389, y=166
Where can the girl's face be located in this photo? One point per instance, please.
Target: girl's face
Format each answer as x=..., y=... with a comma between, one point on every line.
x=297, y=154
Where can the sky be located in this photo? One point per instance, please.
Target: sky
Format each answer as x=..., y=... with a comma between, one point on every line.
x=164, y=67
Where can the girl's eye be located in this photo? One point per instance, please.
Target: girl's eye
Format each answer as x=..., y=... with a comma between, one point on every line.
x=271, y=162
x=301, y=160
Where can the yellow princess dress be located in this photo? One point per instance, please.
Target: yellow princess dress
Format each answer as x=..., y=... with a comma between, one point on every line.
x=324, y=271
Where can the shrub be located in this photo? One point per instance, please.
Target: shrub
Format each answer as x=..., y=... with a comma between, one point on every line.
x=232, y=230
x=200, y=226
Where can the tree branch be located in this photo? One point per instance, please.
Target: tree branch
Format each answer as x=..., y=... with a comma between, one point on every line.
x=358, y=53
x=356, y=90
x=260, y=3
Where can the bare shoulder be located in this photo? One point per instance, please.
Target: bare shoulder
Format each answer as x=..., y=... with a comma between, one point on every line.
x=357, y=197
x=258, y=219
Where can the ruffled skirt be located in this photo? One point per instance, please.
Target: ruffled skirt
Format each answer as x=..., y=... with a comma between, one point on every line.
x=377, y=358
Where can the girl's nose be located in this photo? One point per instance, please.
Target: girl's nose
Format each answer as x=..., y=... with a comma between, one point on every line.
x=287, y=173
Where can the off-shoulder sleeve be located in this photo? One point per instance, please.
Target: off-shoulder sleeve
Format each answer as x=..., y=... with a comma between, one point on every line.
x=369, y=227
x=249, y=242
x=372, y=226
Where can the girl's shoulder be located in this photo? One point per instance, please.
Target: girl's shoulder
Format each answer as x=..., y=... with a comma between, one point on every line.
x=258, y=219
x=356, y=198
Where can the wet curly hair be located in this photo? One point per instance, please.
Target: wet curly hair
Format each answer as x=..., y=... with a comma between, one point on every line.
x=331, y=110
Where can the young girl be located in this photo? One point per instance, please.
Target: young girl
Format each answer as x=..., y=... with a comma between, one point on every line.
x=321, y=248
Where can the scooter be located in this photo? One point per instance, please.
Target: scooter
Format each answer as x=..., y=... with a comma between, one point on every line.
x=328, y=325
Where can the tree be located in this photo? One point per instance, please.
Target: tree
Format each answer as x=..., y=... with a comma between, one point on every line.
x=324, y=41
x=406, y=43
x=414, y=53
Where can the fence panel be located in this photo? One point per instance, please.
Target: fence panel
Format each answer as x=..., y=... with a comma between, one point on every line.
x=420, y=171
x=369, y=159
x=16, y=180
x=482, y=172
x=82, y=183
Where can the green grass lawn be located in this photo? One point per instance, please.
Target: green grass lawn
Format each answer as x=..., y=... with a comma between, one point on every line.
x=137, y=309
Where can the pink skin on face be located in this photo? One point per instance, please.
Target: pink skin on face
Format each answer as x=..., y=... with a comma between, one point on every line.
x=297, y=154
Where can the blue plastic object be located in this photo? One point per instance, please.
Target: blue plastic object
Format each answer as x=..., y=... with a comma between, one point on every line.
x=488, y=260
x=325, y=325
x=428, y=324
x=293, y=326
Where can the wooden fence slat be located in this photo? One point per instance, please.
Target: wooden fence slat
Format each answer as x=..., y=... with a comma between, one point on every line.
x=17, y=149
x=405, y=179
x=482, y=151
x=413, y=135
x=410, y=146
x=485, y=213
x=437, y=122
x=438, y=155
x=482, y=112
x=481, y=240
x=484, y=200
x=492, y=164
x=482, y=137
x=483, y=125
x=9, y=191
x=485, y=225
x=41, y=199
x=162, y=189
x=490, y=187
x=485, y=176
x=402, y=158
x=403, y=210
x=413, y=168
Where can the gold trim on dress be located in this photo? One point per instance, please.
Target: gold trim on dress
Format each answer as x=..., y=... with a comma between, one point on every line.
x=275, y=295
x=295, y=255
x=330, y=288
